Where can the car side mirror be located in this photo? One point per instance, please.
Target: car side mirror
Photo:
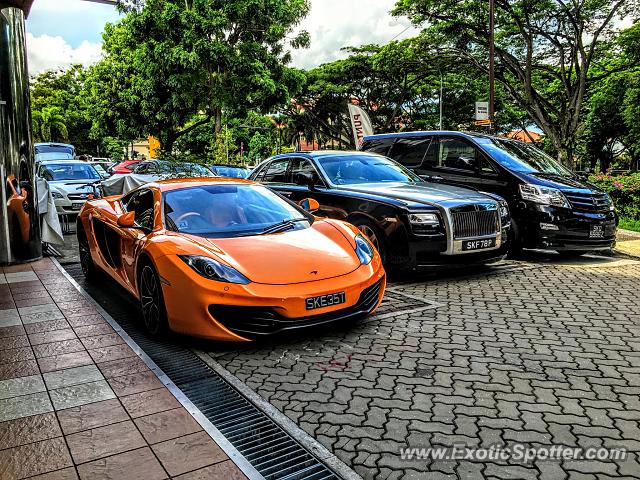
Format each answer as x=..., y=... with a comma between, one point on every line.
x=127, y=220
x=304, y=179
x=309, y=204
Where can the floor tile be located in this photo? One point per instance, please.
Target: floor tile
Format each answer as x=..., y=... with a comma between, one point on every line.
x=152, y=401
x=52, y=336
x=64, y=474
x=11, y=331
x=91, y=330
x=76, y=395
x=19, y=277
x=22, y=431
x=16, y=355
x=58, y=348
x=18, y=407
x=184, y=454
x=114, y=352
x=9, y=318
x=72, y=376
x=136, y=383
x=85, y=320
x=91, y=415
x=46, y=326
x=60, y=362
x=226, y=470
x=28, y=302
x=167, y=425
x=34, y=459
x=41, y=317
x=124, y=366
x=18, y=369
x=134, y=465
x=50, y=308
x=16, y=387
x=104, y=441
x=14, y=342
x=99, y=341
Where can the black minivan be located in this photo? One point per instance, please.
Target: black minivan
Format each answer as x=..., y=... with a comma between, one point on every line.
x=551, y=207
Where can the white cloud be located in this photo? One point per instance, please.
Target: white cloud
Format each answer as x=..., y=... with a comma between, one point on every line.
x=46, y=52
x=334, y=24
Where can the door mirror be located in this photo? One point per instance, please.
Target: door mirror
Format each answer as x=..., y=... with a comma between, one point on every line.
x=304, y=179
x=309, y=204
x=127, y=220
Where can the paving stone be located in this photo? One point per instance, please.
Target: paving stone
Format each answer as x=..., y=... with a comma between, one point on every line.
x=72, y=376
x=122, y=367
x=149, y=402
x=52, y=336
x=135, y=383
x=64, y=474
x=113, y=352
x=188, y=453
x=12, y=331
x=99, y=341
x=91, y=415
x=22, y=431
x=162, y=426
x=33, y=459
x=76, y=395
x=16, y=387
x=9, y=343
x=24, y=406
x=58, y=348
x=133, y=465
x=104, y=441
x=42, y=327
x=227, y=470
x=91, y=330
x=18, y=369
x=61, y=362
x=16, y=355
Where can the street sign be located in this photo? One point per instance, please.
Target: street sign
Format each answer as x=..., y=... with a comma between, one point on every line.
x=483, y=122
x=482, y=111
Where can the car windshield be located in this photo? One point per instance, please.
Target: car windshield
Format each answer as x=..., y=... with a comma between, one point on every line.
x=231, y=172
x=63, y=151
x=55, y=172
x=41, y=157
x=353, y=169
x=522, y=157
x=223, y=211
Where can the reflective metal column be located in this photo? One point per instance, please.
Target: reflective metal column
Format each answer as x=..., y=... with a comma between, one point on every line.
x=19, y=226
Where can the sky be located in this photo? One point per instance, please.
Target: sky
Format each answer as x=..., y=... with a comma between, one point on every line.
x=63, y=32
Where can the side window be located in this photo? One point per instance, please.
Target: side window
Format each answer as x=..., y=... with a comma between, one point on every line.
x=258, y=175
x=142, y=203
x=141, y=169
x=378, y=145
x=457, y=154
x=276, y=172
x=303, y=165
x=410, y=151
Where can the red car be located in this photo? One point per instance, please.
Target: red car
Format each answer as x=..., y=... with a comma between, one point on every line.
x=125, y=167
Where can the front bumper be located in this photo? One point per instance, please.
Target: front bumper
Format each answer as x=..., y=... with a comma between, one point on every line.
x=64, y=206
x=573, y=228
x=231, y=312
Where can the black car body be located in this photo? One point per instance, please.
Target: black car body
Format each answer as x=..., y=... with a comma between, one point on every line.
x=414, y=224
x=551, y=207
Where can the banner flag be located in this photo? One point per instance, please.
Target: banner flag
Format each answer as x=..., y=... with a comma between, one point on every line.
x=360, y=123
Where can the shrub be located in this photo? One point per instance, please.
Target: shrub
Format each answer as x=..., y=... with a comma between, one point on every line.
x=624, y=191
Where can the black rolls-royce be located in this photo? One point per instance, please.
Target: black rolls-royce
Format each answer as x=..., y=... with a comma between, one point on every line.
x=413, y=224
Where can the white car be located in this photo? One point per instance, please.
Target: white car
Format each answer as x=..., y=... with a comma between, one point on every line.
x=70, y=182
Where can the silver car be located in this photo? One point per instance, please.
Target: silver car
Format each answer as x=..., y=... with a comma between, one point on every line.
x=70, y=182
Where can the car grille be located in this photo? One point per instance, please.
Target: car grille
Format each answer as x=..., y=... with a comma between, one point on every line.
x=472, y=224
x=78, y=196
x=254, y=322
x=589, y=202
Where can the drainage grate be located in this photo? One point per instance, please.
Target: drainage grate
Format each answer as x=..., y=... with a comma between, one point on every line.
x=268, y=448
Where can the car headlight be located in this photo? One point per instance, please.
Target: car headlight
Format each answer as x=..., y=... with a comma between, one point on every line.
x=57, y=195
x=543, y=195
x=364, y=250
x=213, y=270
x=424, y=219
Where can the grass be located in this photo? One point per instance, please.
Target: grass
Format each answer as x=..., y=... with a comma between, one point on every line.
x=629, y=224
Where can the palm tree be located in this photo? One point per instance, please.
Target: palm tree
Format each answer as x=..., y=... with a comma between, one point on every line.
x=47, y=121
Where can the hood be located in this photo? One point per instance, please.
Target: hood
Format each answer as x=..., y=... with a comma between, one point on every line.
x=287, y=257
x=72, y=186
x=563, y=183
x=426, y=193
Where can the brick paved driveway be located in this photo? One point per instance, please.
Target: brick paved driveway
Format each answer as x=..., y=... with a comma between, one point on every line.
x=538, y=352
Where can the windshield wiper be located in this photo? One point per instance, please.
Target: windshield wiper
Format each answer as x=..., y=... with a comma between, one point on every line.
x=283, y=226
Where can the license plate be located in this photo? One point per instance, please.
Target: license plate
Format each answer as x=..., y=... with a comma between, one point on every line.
x=76, y=206
x=325, y=300
x=596, y=231
x=468, y=245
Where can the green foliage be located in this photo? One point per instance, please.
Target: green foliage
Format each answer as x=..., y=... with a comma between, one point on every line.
x=49, y=125
x=629, y=224
x=624, y=190
x=260, y=147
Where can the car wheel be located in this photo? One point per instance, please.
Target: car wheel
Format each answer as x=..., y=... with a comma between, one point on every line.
x=89, y=269
x=154, y=312
x=372, y=233
x=515, y=242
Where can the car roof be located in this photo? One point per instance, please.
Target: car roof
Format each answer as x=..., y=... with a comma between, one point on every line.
x=227, y=165
x=179, y=183
x=326, y=153
x=53, y=144
x=64, y=160
x=422, y=133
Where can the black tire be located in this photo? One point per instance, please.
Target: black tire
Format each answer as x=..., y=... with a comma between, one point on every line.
x=154, y=312
x=89, y=269
x=372, y=233
x=515, y=242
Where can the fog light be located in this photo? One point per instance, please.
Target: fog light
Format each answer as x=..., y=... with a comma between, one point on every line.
x=549, y=226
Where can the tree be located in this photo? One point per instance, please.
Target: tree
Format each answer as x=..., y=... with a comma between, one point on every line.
x=169, y=61
x=50, y=125
x=547, y=53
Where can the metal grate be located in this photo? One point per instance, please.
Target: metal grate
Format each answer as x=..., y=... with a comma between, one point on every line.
x=475, y=224
x=268, y=448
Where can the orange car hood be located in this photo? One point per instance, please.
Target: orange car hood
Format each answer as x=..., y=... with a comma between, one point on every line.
x=296, y=256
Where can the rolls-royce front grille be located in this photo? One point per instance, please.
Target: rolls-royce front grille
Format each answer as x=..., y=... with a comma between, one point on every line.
x=589, y=202
x=475, y=224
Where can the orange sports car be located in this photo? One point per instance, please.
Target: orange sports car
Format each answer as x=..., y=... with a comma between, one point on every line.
x=229, y=259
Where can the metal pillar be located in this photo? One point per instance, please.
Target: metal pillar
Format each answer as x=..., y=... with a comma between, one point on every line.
x=20, y=239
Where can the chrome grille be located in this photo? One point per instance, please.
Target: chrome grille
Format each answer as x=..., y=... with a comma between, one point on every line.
x=589, y=202
x=475, y=224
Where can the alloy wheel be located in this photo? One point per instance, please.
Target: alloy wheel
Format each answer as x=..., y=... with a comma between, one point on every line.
x=85, y=257
x=150, y=299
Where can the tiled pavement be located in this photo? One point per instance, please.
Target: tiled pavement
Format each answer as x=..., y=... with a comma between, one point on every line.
x=77, y=402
